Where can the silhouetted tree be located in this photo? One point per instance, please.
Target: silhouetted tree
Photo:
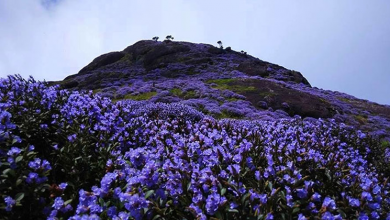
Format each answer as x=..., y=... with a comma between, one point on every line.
x=169, y=37
x=155, y=38
x=220, y=44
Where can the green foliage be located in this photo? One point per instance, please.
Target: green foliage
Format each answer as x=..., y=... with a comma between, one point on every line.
x=343, y=99
x=225, y=114
x=362, y=119
x=176, y=91
x=96, y=91
x=231, y=84
x=183, y=94
x=142, y=96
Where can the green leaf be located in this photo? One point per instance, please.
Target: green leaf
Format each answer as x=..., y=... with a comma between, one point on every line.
x=223, y=191
x=270, y=186
x=19, y=197
x=148, y=193
x=30, y=153
x=245, y=197
x=296, y=210
x=233, y=210
x=6, y=171
x=260, y=217
x=327, y=173
x=343, y=215
x=188, y=186
x=68, y=201
x=14, y=141
x=18, y=182
x=9, y=172
x=156, y=217
x=101, y=201
x=18, y=159
x=219, y=215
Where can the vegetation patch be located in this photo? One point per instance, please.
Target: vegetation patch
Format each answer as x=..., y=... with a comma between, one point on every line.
x=226, y=114
x=142, y=96
x=344, y=99
x=362, y=119
x=230, y=84
x=183, y=94
x=274, y=94
x=96, y=91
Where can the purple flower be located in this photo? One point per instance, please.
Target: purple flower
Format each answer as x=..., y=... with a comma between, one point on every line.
x=72, y=137
x=111, y=212
x=302, y=193
x=135, y=205
x=95, y=208
x=376, y=190
x=9, y=202
x=46, y=165
x=263, y=198
x=363, y=216
x=37, y=164
x=124, y=215
x=31, y=148
x=14, y=151
x=367, y=196
x=374, y=206
x=233, y=205
x=257, y=175
x=63, y=186
x=353, y=202
x=212, y=203
x=269, y=216
x=234, y=169
x=375, y=215
x=32, y=177
x=290, y=201
x=316, y=197
x=328, y=216
x=301, y=217
x=58, y=203
x=329, y=203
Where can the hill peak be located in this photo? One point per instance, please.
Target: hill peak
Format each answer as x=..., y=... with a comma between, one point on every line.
x=220, y=82
x=169, y=56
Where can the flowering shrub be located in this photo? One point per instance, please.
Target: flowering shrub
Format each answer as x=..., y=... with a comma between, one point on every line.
x=75, y=155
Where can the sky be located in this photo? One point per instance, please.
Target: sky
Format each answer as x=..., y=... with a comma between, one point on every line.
x=340, y=45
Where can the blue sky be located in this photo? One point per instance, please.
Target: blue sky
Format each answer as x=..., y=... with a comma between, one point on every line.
x=337, y=45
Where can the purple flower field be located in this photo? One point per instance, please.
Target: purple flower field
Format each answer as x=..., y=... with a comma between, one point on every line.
x=76, y=155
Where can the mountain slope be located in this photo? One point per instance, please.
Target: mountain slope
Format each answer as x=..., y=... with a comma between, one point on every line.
x=222, y=83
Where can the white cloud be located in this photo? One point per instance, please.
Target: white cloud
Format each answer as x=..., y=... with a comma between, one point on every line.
x=337, y=45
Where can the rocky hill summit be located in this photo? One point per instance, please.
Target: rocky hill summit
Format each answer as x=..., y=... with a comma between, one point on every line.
x=222, y=83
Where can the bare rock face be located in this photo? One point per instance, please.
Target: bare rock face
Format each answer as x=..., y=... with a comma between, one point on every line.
x=220, y=82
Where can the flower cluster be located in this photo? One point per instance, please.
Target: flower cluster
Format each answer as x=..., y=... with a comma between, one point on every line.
x=95, y=159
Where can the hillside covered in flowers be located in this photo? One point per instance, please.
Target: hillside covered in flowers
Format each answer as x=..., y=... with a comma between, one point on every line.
x=222, y=83
x=75, y=155
x=176, y=130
